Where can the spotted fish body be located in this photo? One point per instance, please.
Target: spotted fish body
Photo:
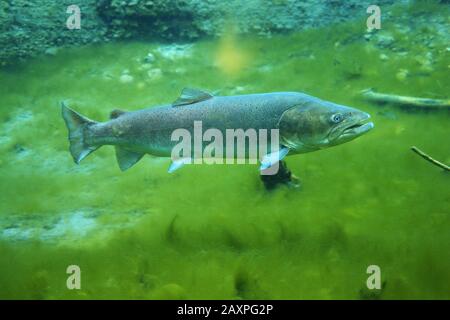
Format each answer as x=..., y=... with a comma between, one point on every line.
x=149, y=131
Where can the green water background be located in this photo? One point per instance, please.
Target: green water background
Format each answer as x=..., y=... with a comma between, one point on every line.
x=213, y=231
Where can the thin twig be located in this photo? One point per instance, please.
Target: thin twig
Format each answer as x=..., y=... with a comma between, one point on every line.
x=430, y=159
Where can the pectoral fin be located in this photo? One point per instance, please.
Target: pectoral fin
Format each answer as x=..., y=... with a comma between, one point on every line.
x=177, y=164
x=126, y=159
x=190, y=95
x=272, y=158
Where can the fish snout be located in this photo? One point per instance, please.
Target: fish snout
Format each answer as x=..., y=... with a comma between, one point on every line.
x=359, y=125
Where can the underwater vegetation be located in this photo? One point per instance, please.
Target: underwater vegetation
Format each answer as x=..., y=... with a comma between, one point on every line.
x=213, y=231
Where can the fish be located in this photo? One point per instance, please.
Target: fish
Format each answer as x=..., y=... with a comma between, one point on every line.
x=304, y=123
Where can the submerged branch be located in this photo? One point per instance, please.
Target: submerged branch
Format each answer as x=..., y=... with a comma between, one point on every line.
x=373, y=96
x=430, y=159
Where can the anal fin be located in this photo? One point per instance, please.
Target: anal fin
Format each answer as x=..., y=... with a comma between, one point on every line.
x=126, y=159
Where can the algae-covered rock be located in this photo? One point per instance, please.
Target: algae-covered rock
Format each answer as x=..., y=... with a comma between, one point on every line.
x=29, y=28
x=126, y=78
x=190, y=19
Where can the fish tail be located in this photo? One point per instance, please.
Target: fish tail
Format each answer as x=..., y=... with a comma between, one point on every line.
x=78, y=127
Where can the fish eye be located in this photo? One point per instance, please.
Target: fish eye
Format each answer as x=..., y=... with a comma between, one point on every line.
x=336, y=118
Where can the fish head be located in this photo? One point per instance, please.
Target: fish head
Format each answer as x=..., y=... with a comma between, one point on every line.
x=317, y=124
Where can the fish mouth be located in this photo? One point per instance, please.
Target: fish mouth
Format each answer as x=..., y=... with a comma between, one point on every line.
x=352, y=129
x=360, y=127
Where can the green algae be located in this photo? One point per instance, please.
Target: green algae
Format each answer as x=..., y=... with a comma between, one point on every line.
x=212, y=231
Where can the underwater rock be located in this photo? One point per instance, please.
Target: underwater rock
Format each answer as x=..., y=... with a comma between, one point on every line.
x=368, y=36
x=384, y=57
x=191, y=19
x=18, y=148
x=31, y=27
x=426, y=62
x=149, y=58
x=126, y=78
x=107, y=76
x=385, y=40
x=402, y=74
x=52, y=51
x=175, y=51
x=47, y=228
x=154, y=74
x=20, y=151
x=18, y=120
x=64, y=227
x=145, y=66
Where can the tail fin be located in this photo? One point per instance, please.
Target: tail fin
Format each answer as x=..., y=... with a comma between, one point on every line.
x=77, y=126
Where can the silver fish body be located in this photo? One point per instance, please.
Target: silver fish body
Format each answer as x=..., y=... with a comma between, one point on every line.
x=149, y=131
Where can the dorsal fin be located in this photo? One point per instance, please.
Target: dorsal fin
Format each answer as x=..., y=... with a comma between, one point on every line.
x=190, y=95
x=116, y=113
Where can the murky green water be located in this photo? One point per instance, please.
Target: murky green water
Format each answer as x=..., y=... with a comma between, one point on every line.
x=213, y=231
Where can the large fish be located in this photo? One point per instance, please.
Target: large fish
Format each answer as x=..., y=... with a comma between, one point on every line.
x=304, y=123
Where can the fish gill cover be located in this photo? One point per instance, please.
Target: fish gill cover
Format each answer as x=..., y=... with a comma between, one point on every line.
x=213, y=231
